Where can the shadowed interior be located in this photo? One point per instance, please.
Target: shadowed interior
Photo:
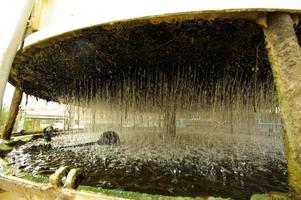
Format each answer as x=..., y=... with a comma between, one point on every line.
x=98, y=58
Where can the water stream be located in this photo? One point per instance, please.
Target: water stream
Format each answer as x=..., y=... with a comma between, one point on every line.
x=184, y=130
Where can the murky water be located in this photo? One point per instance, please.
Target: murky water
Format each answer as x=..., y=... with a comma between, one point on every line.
x=192, y=164
x=191, y=125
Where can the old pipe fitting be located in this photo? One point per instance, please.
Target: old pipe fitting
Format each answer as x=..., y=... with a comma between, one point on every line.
x=56, y=178
x=74, y=177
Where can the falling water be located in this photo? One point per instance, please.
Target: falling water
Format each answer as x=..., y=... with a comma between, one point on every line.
x=184, y=130
x=193, y=103
x=174, y=97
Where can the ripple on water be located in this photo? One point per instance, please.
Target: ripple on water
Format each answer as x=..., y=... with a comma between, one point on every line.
x=189, y=165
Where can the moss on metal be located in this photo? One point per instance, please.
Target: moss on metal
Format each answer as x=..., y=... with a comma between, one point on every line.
x=96, y=53
x=285, y=57
x=84, y=62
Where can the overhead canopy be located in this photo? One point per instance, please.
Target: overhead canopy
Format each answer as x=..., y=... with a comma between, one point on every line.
x=84, y=61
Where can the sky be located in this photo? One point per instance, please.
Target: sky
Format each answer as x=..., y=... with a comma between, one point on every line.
x=9, y=91
x=33, y=103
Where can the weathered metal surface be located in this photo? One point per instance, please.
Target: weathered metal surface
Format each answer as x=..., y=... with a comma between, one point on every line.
x=83, y=13
x=73, y=178
x=285, y=57
x=56, y=178
x=97, y=52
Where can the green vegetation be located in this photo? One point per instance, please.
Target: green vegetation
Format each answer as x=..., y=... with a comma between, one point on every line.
x=5, y=147
x=260, y=197
x=36, y=178
x=140, y=196
x=37, y=124
x=270, y=196
x=32, y=124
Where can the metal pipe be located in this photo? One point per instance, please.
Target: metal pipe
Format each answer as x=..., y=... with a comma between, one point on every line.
x=14, y=17
x=12, y=115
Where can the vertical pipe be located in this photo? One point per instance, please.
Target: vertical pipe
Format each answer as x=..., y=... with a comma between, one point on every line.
x=12, y=115
x=285, y=58
x=14, y=24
